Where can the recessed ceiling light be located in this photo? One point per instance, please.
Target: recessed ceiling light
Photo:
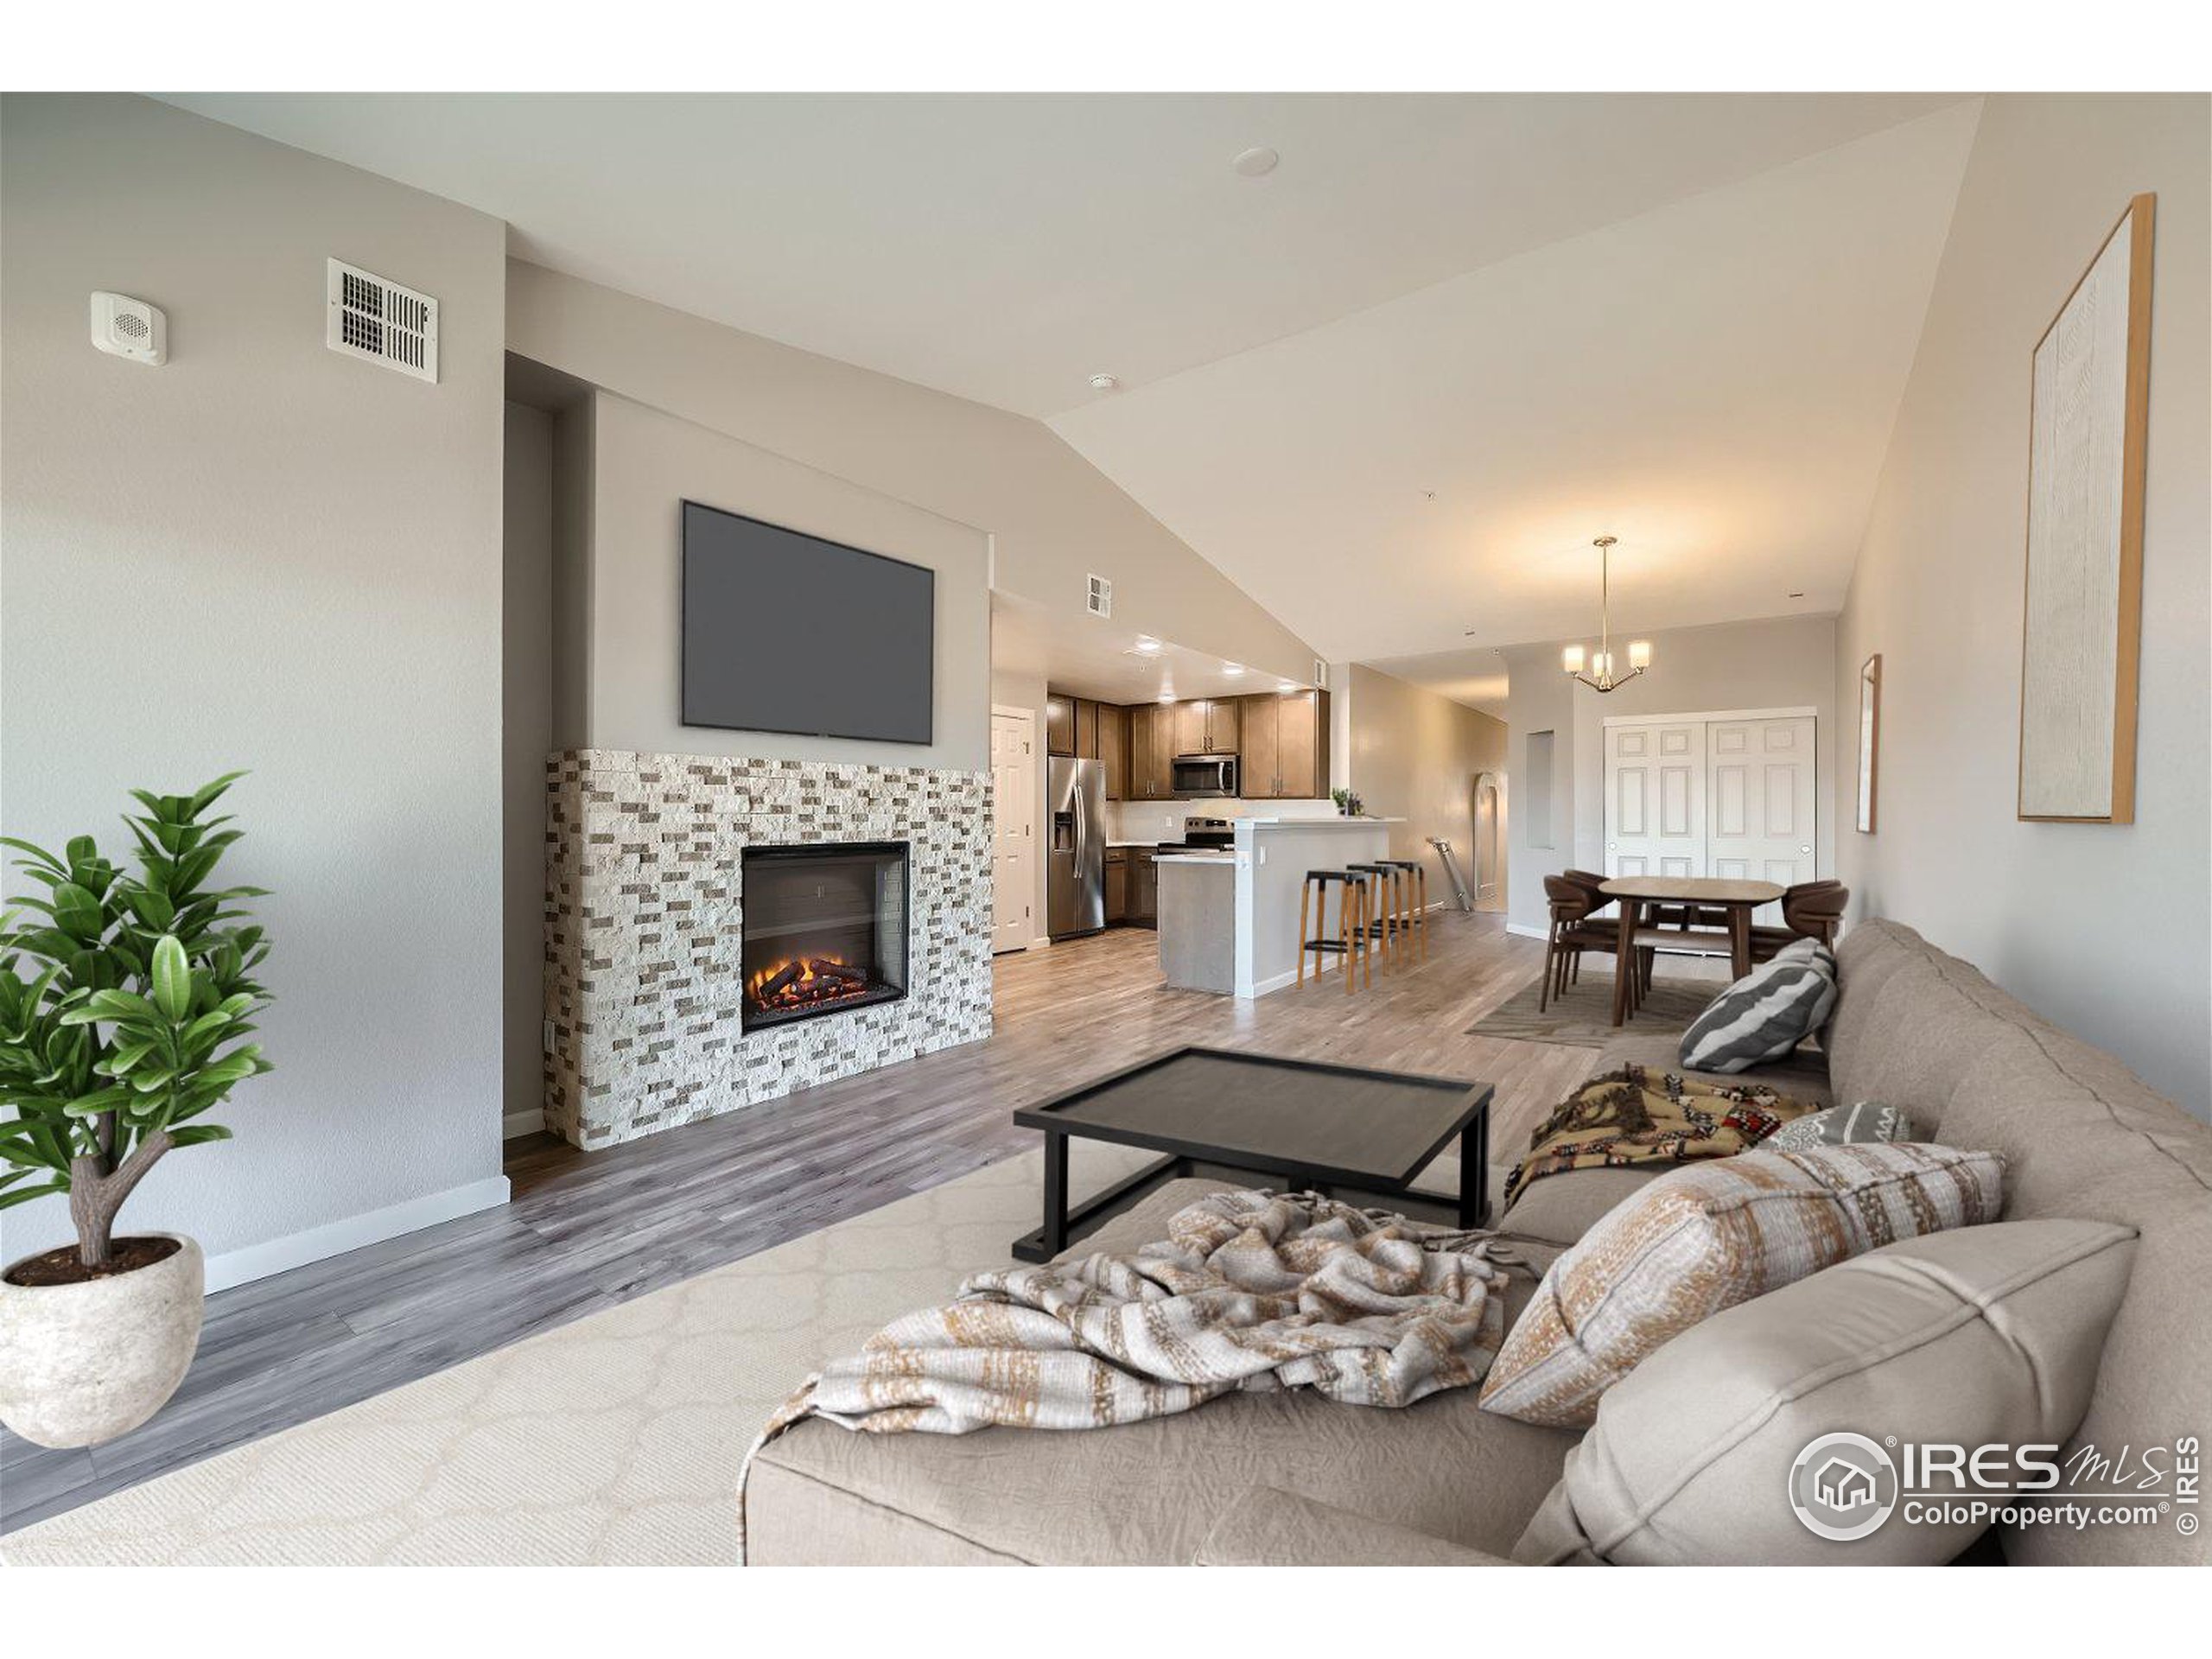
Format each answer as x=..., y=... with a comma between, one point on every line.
x=1256, y=162
x=1232, y=668
x=1167, y=695
x=1104, y=382
x=1145, y=642
x=1799, y=593
x=1288, y=686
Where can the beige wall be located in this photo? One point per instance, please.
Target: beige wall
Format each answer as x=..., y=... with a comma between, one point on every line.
x=268, y=555
x=2100, y=929
x=1785, y=663
x=1052, y=517
x=1414, y=754
x=645, y=465
x=526, y=679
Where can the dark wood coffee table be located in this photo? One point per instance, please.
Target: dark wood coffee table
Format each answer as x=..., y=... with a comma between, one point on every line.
x=1300, y=1124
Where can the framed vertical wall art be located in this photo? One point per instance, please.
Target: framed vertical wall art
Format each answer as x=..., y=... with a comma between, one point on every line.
x=1870, y=741
x=2087, y=423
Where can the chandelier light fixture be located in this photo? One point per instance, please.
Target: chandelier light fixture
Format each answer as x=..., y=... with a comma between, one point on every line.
x=1601, y=663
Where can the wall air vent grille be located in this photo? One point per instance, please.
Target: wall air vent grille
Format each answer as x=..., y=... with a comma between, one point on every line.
x=382, y=322
x=1099, y=598
x=1320, y=675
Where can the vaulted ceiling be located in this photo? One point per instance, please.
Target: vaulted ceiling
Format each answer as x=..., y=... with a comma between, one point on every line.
x=1392, y=388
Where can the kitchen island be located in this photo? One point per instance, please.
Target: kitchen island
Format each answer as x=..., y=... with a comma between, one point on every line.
x=1228, y=919
x=1273, y=854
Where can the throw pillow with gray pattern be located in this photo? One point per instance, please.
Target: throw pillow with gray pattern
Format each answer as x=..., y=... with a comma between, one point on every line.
x=1764, y=1015
x=1844, y=1126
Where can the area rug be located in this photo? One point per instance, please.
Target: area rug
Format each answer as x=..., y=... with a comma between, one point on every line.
x=614, y=1440
x=1583, y=1017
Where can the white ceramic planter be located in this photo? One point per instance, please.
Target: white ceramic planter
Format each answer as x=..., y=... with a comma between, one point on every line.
x=83, y=1364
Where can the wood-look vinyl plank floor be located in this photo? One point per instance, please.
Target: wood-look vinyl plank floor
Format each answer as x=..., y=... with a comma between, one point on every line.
x=587, y=1230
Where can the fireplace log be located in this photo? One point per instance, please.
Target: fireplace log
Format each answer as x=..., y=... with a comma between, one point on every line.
x=777, y=981
x=838, y=971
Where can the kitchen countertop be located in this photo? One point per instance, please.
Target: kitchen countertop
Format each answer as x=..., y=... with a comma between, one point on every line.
x=1204, y=858
x=1318, y=823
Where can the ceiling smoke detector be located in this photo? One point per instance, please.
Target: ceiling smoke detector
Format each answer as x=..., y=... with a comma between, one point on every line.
x=1256, y=162
x=1104, y=382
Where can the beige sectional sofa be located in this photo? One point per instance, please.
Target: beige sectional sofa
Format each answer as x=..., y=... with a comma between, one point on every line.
x=1286, y=1479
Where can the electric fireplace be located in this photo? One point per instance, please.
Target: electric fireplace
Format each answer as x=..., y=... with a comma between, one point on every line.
x=824, y=930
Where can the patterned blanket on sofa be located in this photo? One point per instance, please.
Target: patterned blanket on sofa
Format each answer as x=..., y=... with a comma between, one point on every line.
x=1251, y=1291
x=1634, y=1116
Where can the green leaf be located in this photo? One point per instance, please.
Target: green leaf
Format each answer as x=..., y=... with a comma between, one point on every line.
x=78, y=912
x=25, y=1194
x=172, y=977
x=200, y=1134
x=210, y=794
x=125, y=1057
x=154, y=909
x=38, y=852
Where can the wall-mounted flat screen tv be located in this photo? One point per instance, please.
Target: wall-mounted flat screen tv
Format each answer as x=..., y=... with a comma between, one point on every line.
x=788, y=633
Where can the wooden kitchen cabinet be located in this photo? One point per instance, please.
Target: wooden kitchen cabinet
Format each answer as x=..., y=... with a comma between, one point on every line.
x=1059, y=724
x=1152, y=753
x=1143, y=901
x=1206, y=726
x=1086, y=729
x=1286, y=746
x=1117, y=886
x=1114, y=749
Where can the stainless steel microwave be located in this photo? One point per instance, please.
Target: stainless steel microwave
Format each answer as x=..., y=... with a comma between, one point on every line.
x=1199, y=776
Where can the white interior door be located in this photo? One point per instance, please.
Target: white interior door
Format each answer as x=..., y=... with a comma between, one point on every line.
x=1655, y=799
x=1014, y=842
x=1761, y=802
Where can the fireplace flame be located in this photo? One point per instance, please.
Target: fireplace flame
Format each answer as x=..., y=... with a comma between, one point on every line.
x=805, y=981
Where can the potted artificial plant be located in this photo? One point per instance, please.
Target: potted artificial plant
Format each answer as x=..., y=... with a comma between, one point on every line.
x=123, y=1001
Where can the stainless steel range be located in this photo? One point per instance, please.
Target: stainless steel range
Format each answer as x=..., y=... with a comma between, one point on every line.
x=1202, y=836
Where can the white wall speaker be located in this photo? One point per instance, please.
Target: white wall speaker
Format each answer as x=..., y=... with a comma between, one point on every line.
x=130, y=328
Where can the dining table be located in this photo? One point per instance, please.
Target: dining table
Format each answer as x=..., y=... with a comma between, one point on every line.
x=1633, y=892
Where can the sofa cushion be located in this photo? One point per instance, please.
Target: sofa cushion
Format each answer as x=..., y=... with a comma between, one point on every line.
x=1711, y=1235
x=1559, y=1209
x=2083, y=1137
x=1766, y=1014
x=1977, y=1336
x=1916, y=1031
x=1146, y=1493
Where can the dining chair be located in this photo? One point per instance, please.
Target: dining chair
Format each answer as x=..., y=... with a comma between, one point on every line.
x=1811, y=910
x=1574, y=905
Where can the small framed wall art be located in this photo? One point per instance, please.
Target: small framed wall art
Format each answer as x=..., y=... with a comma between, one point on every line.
x=1870, y=739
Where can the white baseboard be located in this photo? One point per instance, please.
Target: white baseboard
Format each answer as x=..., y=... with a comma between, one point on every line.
x=520, y=1124
x=297, y=1249
x=1527, y=932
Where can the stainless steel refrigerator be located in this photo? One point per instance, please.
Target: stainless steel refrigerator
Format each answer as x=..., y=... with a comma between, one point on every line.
x=1074, y=874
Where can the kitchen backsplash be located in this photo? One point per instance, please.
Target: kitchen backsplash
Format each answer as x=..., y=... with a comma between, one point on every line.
x=1150, y=821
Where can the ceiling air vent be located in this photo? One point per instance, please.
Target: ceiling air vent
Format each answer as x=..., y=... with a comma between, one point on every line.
x=383, y=322
x=1099, y=599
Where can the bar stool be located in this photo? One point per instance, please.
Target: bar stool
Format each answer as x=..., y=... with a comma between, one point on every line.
x=1350, y=940
x=1414, y=918
x=1386, y=923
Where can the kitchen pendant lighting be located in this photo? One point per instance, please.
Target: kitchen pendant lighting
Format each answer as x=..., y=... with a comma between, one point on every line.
x=1600, y=664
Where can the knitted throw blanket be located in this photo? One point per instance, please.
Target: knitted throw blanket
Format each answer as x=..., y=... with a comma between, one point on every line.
x=1251, y=1291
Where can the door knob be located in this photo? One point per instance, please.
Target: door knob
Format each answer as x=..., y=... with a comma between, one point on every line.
x=1804, y=850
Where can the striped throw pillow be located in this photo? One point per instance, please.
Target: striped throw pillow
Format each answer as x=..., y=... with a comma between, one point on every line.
x=1765, y=1014
x=1708, y=1236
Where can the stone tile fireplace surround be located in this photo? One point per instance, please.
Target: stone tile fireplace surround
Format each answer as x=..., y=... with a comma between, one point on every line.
x=644, y=986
